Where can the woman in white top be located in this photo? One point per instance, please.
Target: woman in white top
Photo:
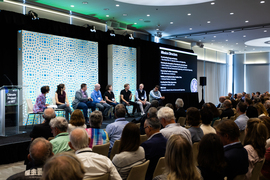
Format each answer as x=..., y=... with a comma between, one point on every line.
x=255, y=141
x=130, y=151
x=76, y=120
x=207, y=117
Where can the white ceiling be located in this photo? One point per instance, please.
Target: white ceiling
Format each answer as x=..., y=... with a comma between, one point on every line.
x=218, y=13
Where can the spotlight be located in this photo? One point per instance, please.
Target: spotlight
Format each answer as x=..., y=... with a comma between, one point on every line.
x=92, y=28
x=159, y=34
x=33, y=15
x=200, y=44
x=111, y=32
x=129, y=36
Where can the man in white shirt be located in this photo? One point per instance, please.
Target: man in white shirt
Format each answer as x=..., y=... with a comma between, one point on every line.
x=167, y=119
x=141, y=99
x=94, y=164
x=242, y=119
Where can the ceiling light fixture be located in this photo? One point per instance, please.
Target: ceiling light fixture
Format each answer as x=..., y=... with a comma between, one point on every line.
x=71, y=5
x=208, y=22
x=117, y=5
x=232, y=31
x=236, y=43
x=85, y=2
x=231, y=13
x=171, y=22
x=265, y=31
x=215, y=36
x=244, y=36
x=212, y=3
x=262, y=2
x=140, y=19
x=226, y=39
x=112, y=33
x=246, y=21
x=125, y=14
x=190, y=28
x=148, y=15
x=107, y=15
x=33, y=15
x=189, y=14
x=135, y=23
x=157, y=29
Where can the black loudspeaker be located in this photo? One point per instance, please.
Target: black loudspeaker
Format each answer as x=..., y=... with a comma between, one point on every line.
x=203, y=81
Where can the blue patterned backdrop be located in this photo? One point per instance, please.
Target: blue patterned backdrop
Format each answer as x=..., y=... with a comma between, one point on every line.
x=51, y=60
x=123, y=69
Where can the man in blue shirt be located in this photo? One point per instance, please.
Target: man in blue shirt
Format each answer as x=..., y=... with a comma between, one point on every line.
x=115, y=129
x=100, y=103
x=242, y=119
x=156, y=95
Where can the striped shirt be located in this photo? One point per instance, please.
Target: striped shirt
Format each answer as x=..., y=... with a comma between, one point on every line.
x=98, y=136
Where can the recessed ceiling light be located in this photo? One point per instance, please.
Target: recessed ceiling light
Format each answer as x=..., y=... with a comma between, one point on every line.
x=125, y=14
x=232, y=31
x=215, y=36
x=244, y=36
x=246, y=21
x=213, y=40
x=106, y=9
x=226, y=39
x=212, y=3
x=189, y=14
x=148, y=15
x=236, y=43
x=245, y=46
x=208, y=22
x=262, y=2
x=157, y=29
x=171, y=22
x=71, y=5
x=140, y=19
x=117, y=5
x=200, y=40
x=135, y=23
x=222, y=46
x=85, y=2
x=107, y=16
x=265, y=31
x=231, y=13
x=253, y=48
x=185, y=36
x=190, y=28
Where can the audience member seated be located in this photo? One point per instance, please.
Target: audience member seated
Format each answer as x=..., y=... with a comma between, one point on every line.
x=194, y=120
x=97, y=136
x=44, y=129
x=254, y=143
x=243, y=96
x=155, y=146
x=221, y=101
x=180, y=111
x=241, y=120
x=266, y=166
x=40, y=150
x=251, y=110
x=152, y=112
x=227, y=112
x=109, y=97
x=235, y=154
x=211, y=159
x=82, y=101
x=100, y=103
x=130, y=151
x=94, y=164
x=115, y=129
x=206, y=117
x=40, y=104
x=76, y=120
x=156, y=95
x=167, y=119
x=61, y=100
x=267, y=106
x=230, y=96
x=239, y=97
x=169, y=105
x=261, y=109
x=266, y=121
x=63, y=166
x=59, y=127
x=214, y=110
x=179, y=162
x=125, y=98
x=141, y=99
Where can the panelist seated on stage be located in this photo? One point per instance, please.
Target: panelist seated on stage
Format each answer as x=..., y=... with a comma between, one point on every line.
x=40, y=151
x=126, y=96
x=141, y=99
x=109, y=96
x=100, y=103
x=40, y=104
x=61, y=100
x=82, y=101
x=156, y=95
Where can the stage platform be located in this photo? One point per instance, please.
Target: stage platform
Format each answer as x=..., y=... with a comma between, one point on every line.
x=15, y=148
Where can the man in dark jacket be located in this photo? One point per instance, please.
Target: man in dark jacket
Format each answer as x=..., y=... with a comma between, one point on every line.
x=235, y=154
x=227, y=112
x=155, y=146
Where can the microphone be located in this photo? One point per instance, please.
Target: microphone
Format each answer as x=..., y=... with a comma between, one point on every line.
x=8, y=79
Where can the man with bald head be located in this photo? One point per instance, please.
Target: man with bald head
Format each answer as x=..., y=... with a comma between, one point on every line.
x=227, y=112
x=44, y=129
x=141, y=99
x=94, y=164
x=221, y=100
x=100, y=103
x=40, y=150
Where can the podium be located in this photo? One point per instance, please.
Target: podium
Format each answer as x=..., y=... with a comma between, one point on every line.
x=9, y=110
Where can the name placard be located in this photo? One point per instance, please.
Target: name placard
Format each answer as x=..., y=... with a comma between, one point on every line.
x=11, y=97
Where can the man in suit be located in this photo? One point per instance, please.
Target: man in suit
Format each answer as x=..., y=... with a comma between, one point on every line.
x=82, y=101
x=44, y=129
x=227, y=112
x=235, y=154
x=221, y=100
x=152, y=112
x=155, y=146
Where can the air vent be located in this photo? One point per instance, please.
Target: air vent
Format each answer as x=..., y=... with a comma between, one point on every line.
x=147, y=21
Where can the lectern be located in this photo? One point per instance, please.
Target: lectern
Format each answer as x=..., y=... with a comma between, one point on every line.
x=9, y=110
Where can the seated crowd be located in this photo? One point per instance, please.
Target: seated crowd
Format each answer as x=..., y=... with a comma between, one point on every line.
x=215, y=142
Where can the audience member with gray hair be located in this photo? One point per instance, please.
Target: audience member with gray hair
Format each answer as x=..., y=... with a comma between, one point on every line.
x=227, y=112
x=59, y=127
x=221, y=100
x=94, y=164
x=44, y=129
x=152, y=112
x=40, y=151
x=155, y=146
x=180, y=111
x=63, y=166
x=98, y=136
x=167, y=119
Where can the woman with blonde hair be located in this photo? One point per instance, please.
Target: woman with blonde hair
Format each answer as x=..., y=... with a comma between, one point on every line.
x=255, y=141
x=179, y=162
x=76, y=120
x=261, y=109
